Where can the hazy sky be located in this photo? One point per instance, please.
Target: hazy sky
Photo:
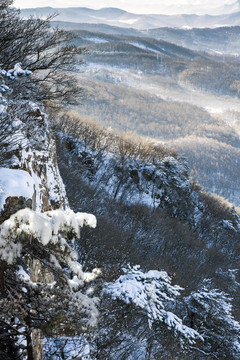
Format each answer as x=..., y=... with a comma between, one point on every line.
x=143, y=6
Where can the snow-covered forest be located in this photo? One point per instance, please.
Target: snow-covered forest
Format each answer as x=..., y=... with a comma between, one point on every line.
x=108, y=250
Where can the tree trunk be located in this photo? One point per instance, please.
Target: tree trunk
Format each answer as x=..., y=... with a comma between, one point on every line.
x=38, y=273
x=29, y=339
x=37, y=341
x=2, y=270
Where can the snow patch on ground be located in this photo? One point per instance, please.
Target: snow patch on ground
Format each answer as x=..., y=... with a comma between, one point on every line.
x=70, y=348
x=96, y=40
x=129, y=21
x=144, y=47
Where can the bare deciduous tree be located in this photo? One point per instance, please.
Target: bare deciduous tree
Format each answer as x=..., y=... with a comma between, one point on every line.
x=49, y=53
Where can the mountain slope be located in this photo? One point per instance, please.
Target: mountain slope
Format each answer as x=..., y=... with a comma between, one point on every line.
x=149, y=214
x=167, y=92
x=138, y=173
x=222, y=40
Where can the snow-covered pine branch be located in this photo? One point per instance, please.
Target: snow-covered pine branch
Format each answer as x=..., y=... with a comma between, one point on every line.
x=47, y=229
x=152, y=292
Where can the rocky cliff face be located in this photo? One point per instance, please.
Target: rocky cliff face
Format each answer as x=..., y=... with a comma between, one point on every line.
x=162, y=183
x=34, y=155
x=153, y=210
x=32, y=180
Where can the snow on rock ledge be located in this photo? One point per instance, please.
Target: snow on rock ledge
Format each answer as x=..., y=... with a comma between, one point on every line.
x=42, y=165
x=15, y=183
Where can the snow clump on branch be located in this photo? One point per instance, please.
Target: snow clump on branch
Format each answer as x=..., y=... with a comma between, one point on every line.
x=46, y=228
x=16, y=72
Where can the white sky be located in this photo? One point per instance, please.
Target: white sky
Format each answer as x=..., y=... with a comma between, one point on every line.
x=142, y=6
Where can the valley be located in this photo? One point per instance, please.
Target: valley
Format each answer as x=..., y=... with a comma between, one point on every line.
x=184, y=98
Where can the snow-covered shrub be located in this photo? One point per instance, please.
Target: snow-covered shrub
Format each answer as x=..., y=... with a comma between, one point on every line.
x=16, y=73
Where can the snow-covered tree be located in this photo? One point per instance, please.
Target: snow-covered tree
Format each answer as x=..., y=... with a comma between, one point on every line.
x=67, y=348
x=152, y=292
x=64, y=304
x=210, y=313
x=149, y=318
x=18, y=126
x=145, y=317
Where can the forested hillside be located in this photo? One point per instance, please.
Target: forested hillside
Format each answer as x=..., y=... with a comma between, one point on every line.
x=149, y=213
x=168, y=93
x=155, y=274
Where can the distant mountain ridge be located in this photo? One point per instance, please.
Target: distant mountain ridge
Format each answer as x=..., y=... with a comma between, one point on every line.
x=118, y=17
